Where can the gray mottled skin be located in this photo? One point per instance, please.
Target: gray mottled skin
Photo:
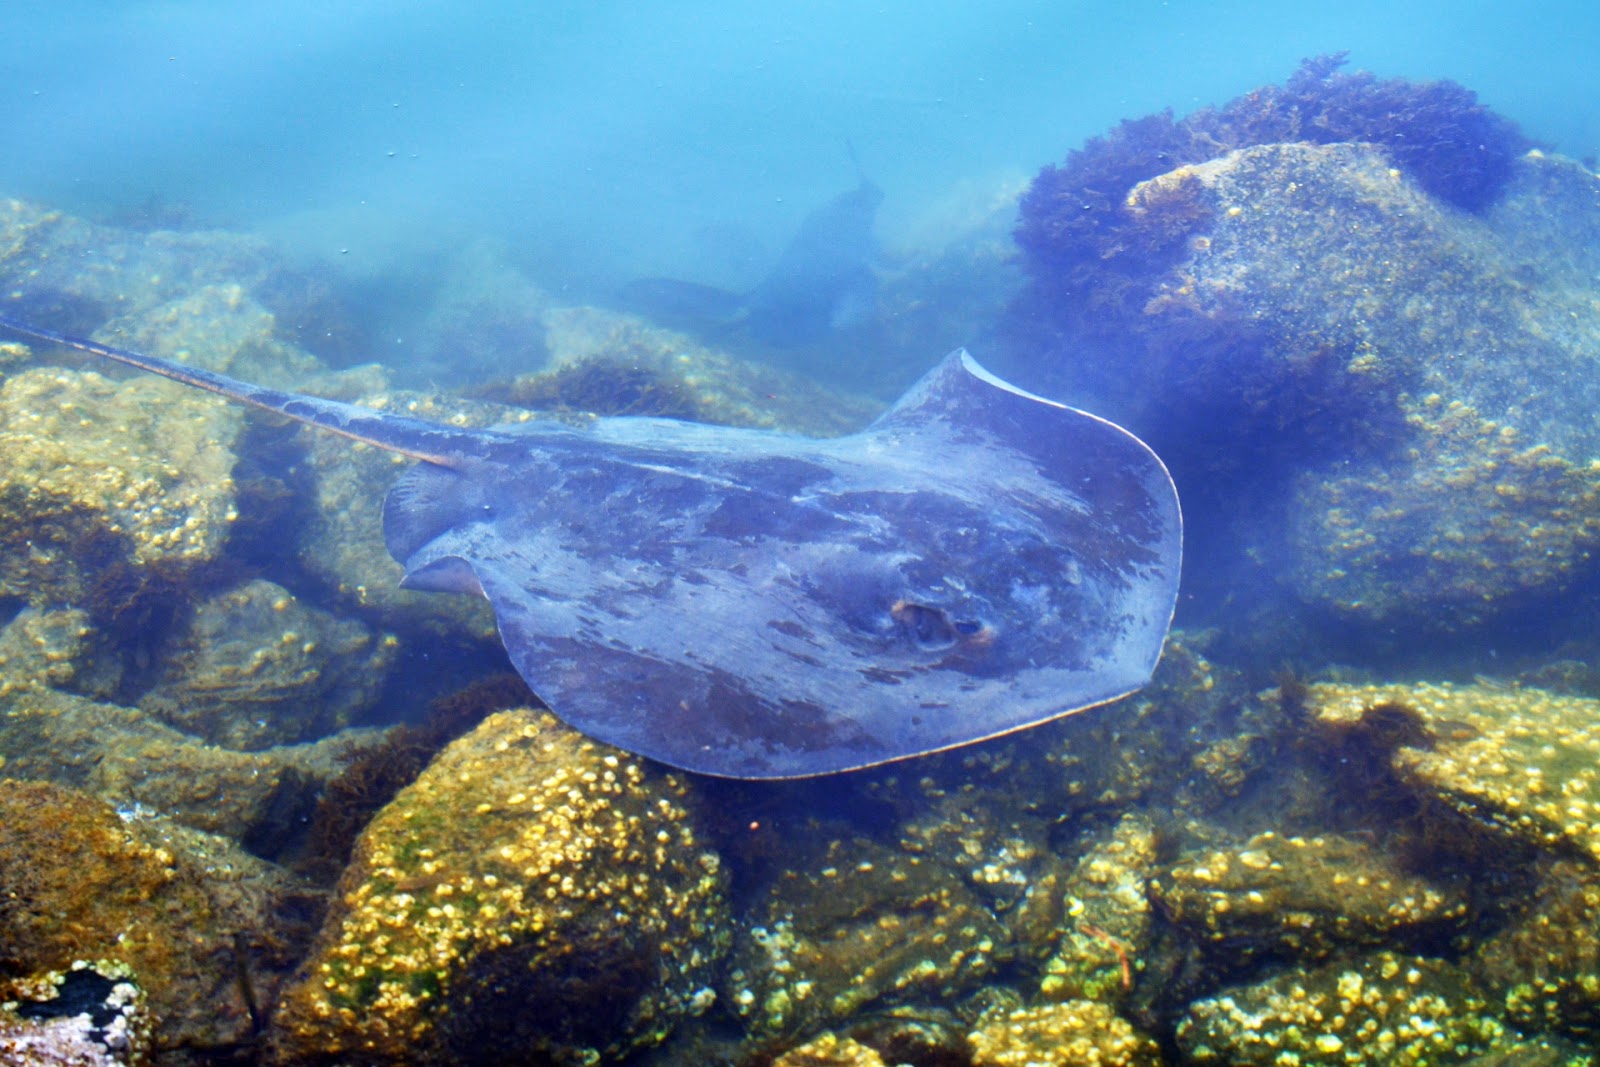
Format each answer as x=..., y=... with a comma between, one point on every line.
x=761, y=605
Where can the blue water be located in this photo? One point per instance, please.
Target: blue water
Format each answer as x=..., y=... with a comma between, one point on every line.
x=595, y=142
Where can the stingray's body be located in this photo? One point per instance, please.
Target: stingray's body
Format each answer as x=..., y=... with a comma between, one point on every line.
x=762, y=605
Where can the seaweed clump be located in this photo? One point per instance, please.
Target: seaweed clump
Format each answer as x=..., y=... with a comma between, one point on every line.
x=374, y=777
x=1078, y=242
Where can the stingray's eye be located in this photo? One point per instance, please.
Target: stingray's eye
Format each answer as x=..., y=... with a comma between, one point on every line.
x=930, y=627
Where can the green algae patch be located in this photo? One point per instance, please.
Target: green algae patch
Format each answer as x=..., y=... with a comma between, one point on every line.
x=527, y=865
x=108, y=486
x=1523, y=760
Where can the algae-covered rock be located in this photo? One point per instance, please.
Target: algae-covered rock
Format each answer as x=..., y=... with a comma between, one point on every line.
x=1102, y=919
x=830, y=1050
x=79, y=883
x=109, y=487
x=1301, y=897
x=709, y=386
x=1353, y=378
x=342, y=541
x=1381, y=1008
x=256, y=667
x=130, y=760
x=1067, y=1034
x=1523, y=760
x=1545, y=964
x=856, y=926
x=533, y=895
x=219, y=327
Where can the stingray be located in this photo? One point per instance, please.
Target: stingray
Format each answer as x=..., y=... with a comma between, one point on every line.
x=823, y=282
x=756, y=604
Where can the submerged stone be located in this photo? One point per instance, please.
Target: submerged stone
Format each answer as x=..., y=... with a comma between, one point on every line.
x=1067, y=1034
x=1524, y=761
x=257, y=667
x=109, y=487
x=527, y=866
x=1381, y=1008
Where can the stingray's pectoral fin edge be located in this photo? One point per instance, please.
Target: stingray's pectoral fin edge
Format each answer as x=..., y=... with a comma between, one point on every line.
x=447, y=574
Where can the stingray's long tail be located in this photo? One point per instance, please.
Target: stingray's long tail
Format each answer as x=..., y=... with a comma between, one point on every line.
x=395, y=433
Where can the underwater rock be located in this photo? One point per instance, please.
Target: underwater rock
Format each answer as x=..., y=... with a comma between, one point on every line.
x=218, y=327
x=1365, y=393
x=1407, y=352
x=1067, y=1034
x=341, y=542
x=1380, y=1008
x=1545, y=964
x=527, y=866
x=1522, y=761
x=81, y=883
x=830, y=1050
x=709, y=386
x=1300, y=897
x=1102, y=920
x=257, y=668
x=109, y=488
x=859, y=925
x=75, y=273
x=126, y=758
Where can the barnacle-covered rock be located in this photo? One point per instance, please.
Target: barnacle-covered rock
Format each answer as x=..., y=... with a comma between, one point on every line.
x=533, y=895
x=109, y=487
x=699, y=382
x=1303, y=897
x=218, y=327
x=828, y=1049
x=1066, y=1034
x=1383, y=1008
x=257, y=667
x=1524, y=760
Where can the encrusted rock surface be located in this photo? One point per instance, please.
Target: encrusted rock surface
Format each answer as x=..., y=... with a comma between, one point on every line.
x=109, y=487
x=257, y=667
x=1068, y=1034
x=526, y=866
x=1301, y=897
x=1521, y=759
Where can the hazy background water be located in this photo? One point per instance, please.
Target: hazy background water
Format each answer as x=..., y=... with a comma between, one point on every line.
x=595, y=142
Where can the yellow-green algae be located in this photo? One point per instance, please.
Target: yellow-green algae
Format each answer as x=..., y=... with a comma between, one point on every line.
x=1525, y=760
x=1073, y=1033
x=107, y=482
x=526, y=862
x=1104, y=919
x=1545, y=963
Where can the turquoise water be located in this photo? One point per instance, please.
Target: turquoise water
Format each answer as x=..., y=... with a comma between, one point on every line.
x=604, y=141
x=1354, y=816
